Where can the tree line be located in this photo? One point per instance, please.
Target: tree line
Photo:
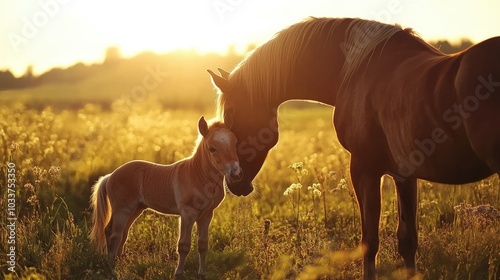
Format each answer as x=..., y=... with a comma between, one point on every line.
x=80, y=71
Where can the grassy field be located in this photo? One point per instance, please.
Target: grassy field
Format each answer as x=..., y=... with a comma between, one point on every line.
x=280, y=232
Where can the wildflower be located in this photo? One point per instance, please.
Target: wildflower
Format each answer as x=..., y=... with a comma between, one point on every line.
x=316, y=192
x=314, y=188
x=14, y=146
x=33, y=200
x=342, y=184
x=296, y=166
x=482, y=215
x=290, y=190
x=29, y=187
x=54, y=171
x=304, y=172
x=462, y=208
x=37, y=171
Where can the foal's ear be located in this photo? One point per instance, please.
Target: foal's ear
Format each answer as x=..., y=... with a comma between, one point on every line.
x=203, y=126
x=219, y=81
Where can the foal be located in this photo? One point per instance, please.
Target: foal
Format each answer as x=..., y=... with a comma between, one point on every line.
x=191, y=188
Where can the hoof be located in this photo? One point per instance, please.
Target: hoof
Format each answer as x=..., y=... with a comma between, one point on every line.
x=179, y=276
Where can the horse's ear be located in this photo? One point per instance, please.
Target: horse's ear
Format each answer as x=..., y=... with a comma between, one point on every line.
x=223, y=73
x=219, y=81
x=228, y=117
x=203, y=126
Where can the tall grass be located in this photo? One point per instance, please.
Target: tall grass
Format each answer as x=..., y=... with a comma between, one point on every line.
x=310, y=233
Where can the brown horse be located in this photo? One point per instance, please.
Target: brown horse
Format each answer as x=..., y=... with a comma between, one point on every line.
x=402, y=108
x=191, y=188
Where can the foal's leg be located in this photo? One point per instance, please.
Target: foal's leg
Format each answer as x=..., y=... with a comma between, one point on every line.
x=407, y=227
x=366, y=184
x=108, y=230
x=130, y=221
x=184, y=244
x=119, y=218
x=203, y=224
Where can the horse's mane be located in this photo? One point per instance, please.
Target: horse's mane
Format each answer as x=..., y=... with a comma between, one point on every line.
x=268, y=70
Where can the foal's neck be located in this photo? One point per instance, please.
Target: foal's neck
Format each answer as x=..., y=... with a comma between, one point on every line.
x=203, y=167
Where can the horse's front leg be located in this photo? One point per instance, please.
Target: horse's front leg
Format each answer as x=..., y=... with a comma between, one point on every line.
x=203, y=224
x=407, y=227
x=366, y=183
x=187, y=220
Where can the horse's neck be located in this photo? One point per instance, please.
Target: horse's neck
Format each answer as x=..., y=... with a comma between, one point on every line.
x=316, y=76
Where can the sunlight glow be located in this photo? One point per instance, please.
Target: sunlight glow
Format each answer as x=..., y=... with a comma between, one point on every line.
x=62, y=32
x=153, y=25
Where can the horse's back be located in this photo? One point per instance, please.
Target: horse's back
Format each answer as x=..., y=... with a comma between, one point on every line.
x=411, y=120
x=130, y=184
x=124, y=183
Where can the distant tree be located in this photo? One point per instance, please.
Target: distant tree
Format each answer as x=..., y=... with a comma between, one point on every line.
x=27, y=79
x=444, y=46
x=448, y=48
x=113, y=54
x=54, y=75
x=28, y=74
x=72, y=74
x=7, y=80
x=465, y=44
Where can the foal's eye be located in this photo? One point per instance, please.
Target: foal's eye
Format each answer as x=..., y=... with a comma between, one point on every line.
x=212, y=149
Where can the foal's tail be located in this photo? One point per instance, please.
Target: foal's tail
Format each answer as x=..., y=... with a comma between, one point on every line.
x=101, y=212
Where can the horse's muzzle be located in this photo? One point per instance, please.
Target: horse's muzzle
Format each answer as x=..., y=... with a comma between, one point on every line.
x=241, y=188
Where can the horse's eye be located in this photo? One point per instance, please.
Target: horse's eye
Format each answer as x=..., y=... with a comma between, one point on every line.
x=212, y=149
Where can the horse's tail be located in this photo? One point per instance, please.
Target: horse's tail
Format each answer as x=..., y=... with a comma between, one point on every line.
x=101, y=212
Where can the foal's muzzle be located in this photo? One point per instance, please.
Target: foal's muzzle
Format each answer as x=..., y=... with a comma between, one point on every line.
x=234, y=172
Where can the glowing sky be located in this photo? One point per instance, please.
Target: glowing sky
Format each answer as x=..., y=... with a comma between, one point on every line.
x=48, y=33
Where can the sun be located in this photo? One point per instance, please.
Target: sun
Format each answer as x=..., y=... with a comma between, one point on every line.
x=158, y=26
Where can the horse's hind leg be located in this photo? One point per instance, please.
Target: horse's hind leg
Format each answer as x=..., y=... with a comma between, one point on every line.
x=130, y=221
x=407, y=227
x=120, y=219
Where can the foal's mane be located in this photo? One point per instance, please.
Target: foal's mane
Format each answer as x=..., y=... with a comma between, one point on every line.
x=212, y=124
x=268, y=70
